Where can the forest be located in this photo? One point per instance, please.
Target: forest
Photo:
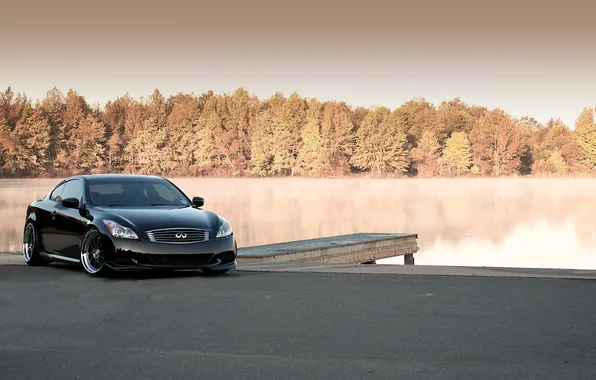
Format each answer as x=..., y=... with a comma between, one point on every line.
x=238, y=134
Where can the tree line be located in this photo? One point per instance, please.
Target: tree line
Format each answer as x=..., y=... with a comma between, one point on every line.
x=239, y=134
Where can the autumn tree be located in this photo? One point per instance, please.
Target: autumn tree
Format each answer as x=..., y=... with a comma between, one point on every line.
x=24, y=136
x=381, y=146
x=156, y=109
x=313, y=158
x=557, y=162
x=80, y=137
x=114, y=120
x=532, y=132
x=7, y=144
x=147, y=151
x=14, y=107
x=9, y=117
x=585, y=137
x=204, y=150
x=426, y=154
x=337, y=133
x=276, y=140
x=232, y=142
x=456, y=159
x=32, y=148
x=415, y=117
x=455, y=116
x=54, y=106
x=286, y=132
x=552, y=146
x=183, y=125
x=497, y=144
x=236, y=134
x=84, y=148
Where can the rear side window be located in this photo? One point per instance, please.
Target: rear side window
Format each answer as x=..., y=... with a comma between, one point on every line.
x=55, y=196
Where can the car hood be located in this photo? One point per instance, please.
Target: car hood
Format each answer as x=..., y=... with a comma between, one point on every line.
x=150, y=218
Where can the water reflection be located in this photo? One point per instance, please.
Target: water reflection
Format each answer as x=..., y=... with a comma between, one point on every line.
x=486, y=222
x=540, y=245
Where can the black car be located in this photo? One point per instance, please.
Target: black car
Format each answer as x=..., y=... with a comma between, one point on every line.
x=109, y=222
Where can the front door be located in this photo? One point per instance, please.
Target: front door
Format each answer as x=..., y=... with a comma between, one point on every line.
x=70, y=224
x=46, y=223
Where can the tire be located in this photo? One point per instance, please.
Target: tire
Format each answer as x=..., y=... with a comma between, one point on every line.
x=32, y=246
x=92, y=251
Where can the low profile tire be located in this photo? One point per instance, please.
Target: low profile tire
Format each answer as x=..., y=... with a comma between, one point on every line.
x=92, y=254
x=32, y=246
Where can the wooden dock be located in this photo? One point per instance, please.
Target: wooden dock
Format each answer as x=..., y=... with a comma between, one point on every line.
x=361, y=248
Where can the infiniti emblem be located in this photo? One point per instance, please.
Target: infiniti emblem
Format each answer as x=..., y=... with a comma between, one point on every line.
x=180, y=236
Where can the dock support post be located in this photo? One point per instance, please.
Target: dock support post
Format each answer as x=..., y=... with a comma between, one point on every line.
x=409, y=259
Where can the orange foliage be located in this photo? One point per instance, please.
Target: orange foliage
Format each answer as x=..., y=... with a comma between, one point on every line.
x=240, y=135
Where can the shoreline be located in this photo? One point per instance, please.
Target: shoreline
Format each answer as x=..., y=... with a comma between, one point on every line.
x=16, y=259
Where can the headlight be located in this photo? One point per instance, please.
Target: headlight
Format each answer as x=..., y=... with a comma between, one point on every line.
x=225, y=229
x=120, y=231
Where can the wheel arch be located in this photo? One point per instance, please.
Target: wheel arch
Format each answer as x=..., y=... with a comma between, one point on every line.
x=31, y=218
x=106, y=238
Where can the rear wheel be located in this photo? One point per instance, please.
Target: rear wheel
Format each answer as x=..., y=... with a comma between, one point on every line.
x=93, y=252
x=31, y=246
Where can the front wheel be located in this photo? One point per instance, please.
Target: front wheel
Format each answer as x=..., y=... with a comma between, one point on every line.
x=31, y=246
x=93, y=252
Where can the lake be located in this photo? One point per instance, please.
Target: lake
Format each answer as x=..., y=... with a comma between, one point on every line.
x=542, y=223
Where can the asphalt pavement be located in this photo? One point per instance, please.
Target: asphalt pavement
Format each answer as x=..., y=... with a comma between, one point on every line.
x=58, y=323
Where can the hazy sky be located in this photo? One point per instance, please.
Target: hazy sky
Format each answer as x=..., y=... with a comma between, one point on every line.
x=531, y=58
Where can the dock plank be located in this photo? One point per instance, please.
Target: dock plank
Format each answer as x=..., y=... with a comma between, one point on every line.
x=351, y=248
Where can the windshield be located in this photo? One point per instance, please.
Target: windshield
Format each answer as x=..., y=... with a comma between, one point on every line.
x=135, y=192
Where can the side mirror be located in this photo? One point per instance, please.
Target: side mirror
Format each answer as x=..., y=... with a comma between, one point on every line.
x=70, y=203
x=198, y=201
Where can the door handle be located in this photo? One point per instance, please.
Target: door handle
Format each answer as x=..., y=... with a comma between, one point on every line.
x=53, y=214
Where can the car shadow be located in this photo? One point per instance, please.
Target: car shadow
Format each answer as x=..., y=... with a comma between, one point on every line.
x=150, y=274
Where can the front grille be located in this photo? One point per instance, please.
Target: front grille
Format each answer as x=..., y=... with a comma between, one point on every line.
x=178, y=235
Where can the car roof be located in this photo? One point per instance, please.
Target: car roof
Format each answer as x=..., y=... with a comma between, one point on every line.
x=115, y=176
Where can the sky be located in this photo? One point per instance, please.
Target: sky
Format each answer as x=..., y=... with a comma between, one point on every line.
x=529, y=58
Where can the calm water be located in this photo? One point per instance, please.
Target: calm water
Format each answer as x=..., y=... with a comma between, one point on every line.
x=545, y=223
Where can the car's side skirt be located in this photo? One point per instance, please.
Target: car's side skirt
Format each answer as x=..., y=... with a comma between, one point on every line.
x=60, y=257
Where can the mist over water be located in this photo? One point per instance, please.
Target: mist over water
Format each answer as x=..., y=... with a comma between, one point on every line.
x=543, y=223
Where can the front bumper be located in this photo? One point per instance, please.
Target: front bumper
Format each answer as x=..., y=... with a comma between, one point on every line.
x=217, y=254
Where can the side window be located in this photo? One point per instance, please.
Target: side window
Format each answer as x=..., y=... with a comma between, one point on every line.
x=55, y=196
x=73, y=189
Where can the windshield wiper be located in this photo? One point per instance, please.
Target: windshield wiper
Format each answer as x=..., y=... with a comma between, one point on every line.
x=113, y=205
